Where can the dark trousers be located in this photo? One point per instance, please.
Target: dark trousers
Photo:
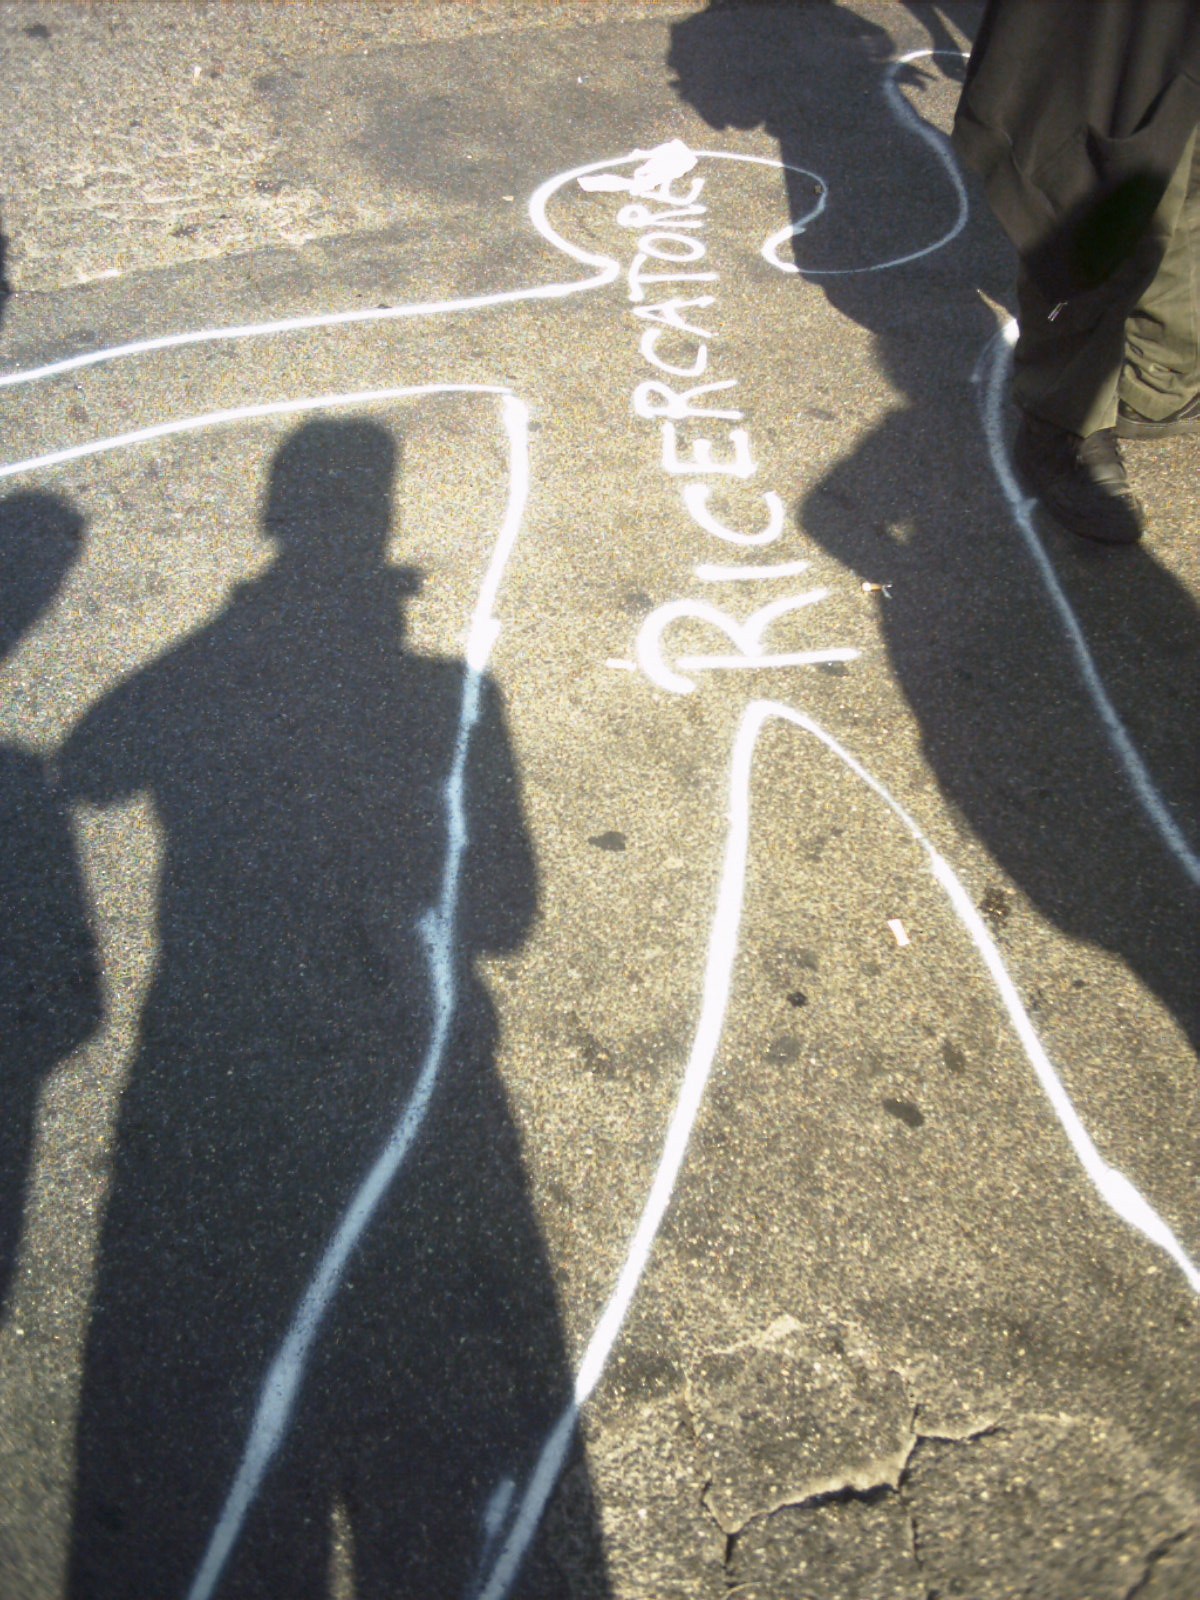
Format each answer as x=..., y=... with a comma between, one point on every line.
x=1136, y=338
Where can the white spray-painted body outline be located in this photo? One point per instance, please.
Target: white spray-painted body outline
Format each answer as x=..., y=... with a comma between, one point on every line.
x=1115, y=1190
x=936, y=141
x=607, y=269
x=217, y=419
x=1119, y=1194
x=1113, y=1187
x=992, y=374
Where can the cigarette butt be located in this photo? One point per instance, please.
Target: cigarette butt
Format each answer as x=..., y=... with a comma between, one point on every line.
x=899, y=932
x=884, y=589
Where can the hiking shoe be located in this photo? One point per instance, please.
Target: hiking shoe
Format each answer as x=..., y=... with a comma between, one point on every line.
x=1132, y=425
x=1081, y=482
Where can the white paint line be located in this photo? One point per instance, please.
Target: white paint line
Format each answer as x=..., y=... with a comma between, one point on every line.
x=1116, y=1191
x=772, y=246
x=437, y=930
x=709, y=572
x=792, y=228
x=497, y=1508
x=606, y=269
x=717, y=980
x=1113, y=1187
x=798, y=658
x=485, y=628
x=216, y=419
x=695, y=498
x=937, y=142
x=332, y=319
x=996, y=367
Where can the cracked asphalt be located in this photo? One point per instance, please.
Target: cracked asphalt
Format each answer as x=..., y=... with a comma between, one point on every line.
x=886, y=1339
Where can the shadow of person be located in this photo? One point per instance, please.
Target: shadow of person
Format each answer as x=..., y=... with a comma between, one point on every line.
x=1007, y=729
x=744, y=64
x=299, y=760
x=49, y=981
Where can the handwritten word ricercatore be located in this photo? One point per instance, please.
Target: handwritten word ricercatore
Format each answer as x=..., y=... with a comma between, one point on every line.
x=666, y=264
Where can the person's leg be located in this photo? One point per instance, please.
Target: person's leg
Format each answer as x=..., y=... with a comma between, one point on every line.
x=1136, y=332
x=1066, y=367
x=1161, y=374
x=1083, y=370
x=1067, y=360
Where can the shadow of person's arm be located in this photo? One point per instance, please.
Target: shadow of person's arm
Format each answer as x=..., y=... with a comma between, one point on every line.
x=105, y=757
x=500, y=891
x=50, y=995
x=49, y=981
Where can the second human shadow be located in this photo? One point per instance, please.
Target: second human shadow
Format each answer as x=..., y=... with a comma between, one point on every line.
x=1007, y=728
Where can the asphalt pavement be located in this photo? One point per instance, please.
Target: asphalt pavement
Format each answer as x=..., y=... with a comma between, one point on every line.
x=600, y=938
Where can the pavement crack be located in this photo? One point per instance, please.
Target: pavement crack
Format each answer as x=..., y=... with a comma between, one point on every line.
x=922, y=1441
x=891, y=1489
x=983, y=1430
x=845, y=1494
x=727, y=1559
x=914, y=1531
x=1153, y=1556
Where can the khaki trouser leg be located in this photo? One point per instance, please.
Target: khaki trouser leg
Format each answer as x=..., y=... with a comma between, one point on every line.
x=1162, y=338
x=1070, y=360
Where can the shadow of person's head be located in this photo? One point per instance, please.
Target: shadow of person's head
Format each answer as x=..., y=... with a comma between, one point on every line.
x=743, y=65
x=328, y=507
x=41, y=536
x=821, y=82
x=330, y=493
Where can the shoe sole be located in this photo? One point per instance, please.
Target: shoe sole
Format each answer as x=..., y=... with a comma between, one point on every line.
x=1136, y=428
